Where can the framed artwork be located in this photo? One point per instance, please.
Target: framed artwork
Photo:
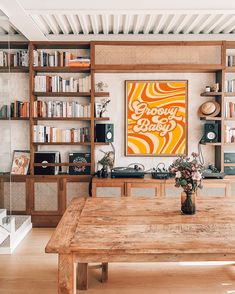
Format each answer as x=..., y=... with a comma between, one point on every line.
x=20, y=162
x=156, y=118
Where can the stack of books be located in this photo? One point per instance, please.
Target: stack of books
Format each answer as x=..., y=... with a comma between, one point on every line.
x=230, y=60
x=17, y=109
x=229, y=109
x=47, y=134
x=230, y=85
x=14, y=59
x=60, y=109
x=47, y=83
x=59, y=58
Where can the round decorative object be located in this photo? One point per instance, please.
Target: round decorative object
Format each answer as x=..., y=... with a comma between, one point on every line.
x=209, y=108
x=79, y=168
x=109, y=135
x=44, y=161
x=211, y=135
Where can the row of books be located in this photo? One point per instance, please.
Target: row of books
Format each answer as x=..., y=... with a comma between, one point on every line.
x=59, y=58
x=230, y=60
x=229, y=135
x=47, y=134
x=229, y=109
x=13, y=59
x=47, y=83
x=230, y=85
x=16, y=109
x=60, y=109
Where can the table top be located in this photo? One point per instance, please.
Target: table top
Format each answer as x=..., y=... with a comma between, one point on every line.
x=144, y=226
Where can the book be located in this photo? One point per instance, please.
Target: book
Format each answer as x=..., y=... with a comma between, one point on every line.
x=46, y=157
x=77, y=157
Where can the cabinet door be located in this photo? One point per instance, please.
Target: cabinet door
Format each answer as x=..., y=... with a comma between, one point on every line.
x=45, y=197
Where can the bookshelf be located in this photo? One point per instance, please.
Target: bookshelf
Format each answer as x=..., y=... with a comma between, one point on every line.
x=111, y=63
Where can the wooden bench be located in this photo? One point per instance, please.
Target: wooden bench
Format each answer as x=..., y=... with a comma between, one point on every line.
x=60, y=242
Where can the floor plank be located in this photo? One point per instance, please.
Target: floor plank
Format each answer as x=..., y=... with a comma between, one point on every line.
x=29, y=270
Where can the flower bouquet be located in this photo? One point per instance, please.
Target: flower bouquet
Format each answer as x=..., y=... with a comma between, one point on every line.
x=188, y=175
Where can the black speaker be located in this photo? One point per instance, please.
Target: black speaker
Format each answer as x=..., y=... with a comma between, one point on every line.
x=104, y=133
x=211, y=133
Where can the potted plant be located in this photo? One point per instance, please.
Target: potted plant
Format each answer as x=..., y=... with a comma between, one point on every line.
x=188, y=175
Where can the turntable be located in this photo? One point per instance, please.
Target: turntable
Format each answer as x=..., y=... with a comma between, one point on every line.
x=127, y=172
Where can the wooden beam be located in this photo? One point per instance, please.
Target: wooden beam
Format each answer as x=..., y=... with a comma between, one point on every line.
x=22, y=20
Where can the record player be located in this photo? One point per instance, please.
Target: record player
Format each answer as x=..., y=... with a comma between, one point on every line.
x=127, y=172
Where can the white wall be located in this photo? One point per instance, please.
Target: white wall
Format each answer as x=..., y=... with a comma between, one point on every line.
x=116, y=111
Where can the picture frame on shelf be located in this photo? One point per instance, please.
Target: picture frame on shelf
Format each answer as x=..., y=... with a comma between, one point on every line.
x=20, y=162
x=156, y=117
x=98, y=109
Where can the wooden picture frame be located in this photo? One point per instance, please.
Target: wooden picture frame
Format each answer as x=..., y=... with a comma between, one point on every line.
x=156, y=117
x=20, y=162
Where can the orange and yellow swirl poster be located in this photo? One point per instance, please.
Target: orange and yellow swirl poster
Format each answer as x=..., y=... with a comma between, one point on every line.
x=156, y=113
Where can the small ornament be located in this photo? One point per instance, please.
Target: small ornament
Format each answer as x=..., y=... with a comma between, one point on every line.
x=100, y=86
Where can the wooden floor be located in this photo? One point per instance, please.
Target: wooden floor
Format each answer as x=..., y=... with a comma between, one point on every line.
x=30, y=271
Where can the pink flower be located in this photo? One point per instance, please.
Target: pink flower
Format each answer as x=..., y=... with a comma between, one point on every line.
x=196, y=176
x=178, y=174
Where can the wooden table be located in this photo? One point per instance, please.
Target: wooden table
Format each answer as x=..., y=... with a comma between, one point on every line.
x=145, y=230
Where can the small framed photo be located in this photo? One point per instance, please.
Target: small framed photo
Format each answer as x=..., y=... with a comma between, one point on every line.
x=98, y=109
x=20, y=162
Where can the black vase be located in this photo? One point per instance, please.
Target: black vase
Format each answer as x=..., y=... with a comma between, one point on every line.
x=188, y=205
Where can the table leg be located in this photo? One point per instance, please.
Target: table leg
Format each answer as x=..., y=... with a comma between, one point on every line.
x=66, y=274
x=82, y=276
x=104, y=276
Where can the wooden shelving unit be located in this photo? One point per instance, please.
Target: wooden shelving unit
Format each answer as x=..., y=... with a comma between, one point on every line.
x=15, y=118
x=218, y=68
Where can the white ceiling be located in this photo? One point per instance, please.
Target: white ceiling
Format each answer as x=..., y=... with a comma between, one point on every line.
x=103, y=19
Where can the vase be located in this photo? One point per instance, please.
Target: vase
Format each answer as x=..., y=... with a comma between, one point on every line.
x=188, y=202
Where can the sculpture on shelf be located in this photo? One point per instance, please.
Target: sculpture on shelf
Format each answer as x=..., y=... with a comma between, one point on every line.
x=104, y=104
x=101, y=85
x=107, y=162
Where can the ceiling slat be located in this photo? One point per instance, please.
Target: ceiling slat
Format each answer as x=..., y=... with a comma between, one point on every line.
x=138, y=23
x=149, y=24
x=193, y=24
x=211, y=27
x=73, y=23
x=52, y=24
x=63, y=23
x=105, y=24
x=116, y=24
x=229, y=28
x=160, y=23
x=94, y=24
x=183, y=23
x=127, y=24
x=83, y=24
x=168, y=28
x=204, y=22
x=221, y=27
